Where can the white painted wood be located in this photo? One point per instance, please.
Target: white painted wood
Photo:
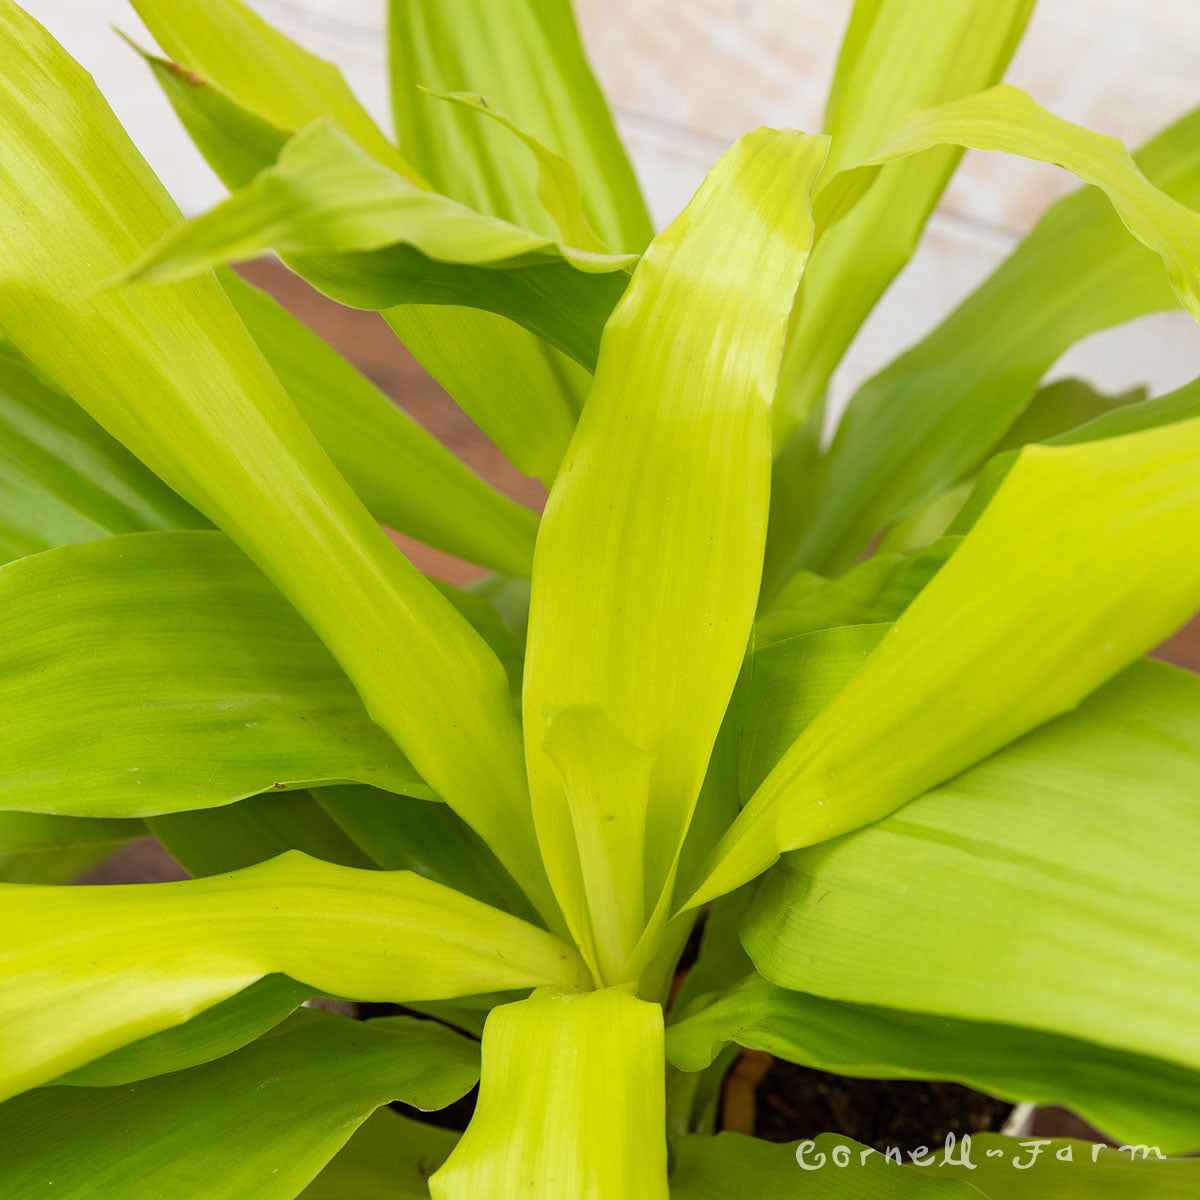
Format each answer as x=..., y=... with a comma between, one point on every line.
x=686, y=77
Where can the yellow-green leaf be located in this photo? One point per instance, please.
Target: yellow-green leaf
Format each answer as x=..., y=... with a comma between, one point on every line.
x=405, y=477
x=172, y=373
x=1074, y=570
x=647, y=565
x=522, y=393
x=571, y=1103
x=1007, y=119
x=896, y=56
x=525, y=57
x=84, y=970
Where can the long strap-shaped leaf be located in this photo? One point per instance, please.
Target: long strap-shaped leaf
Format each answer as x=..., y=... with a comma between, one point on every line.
x=1007, y=119
x=369, y=237
x=896, y=57
x=174, y=375
x=965, y=872
x=522, y=394
x=84, y=970
x=63, y=478
x=571, y=1103
x=524, y=57
x=260, y=1122
x=930, y=418
x=159, y=672
x=647, y=564
x=1080, y=564
x=405, y=477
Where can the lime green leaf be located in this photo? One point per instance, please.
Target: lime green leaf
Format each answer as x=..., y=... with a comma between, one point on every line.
x=1179, y=405
x=792, y=681
x=965, y=876
x=571, y=1103
x=268, y=73
x=368, y=237
x=1062, y=1169
x=390, y=1157
x=520, y=392
x=211, y=1034
x=405, y=477
x=558, y=187
x=1130, y=1097
x=605, y=780
x=64, y=479
x=36, y=848
x=260, y=1122
x=1007, y=119
x=84, y=971
x=173, y=374
x=405, y=834
x=1073, y=571
x=730, y=1166
x=156, y=672
x=896, y=57
x=526, y=58
x=879, y=589
x=931, y=417
x=627, y=613
x=324, y=193
x=215, y=840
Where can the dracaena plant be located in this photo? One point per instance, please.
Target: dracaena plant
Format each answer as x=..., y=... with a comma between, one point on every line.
x=969, y=802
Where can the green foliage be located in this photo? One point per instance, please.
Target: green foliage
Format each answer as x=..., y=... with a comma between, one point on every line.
x=507, y=807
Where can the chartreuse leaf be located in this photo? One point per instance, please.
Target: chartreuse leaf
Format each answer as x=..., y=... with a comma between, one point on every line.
x=324, y=193
x=730, y=1166
x=173, y=374
x=83, y=970
x=64, y=479
x=157, y=672
x=260, y=1122
x=605, y=781
x=879, y=589
x=36, y=848
x=896, y=57
x=215, y=1032
x=1131, y=1097
x=931, y=418
x=1072, y=572
x=791, y=682
x=627, y=613
x=1055, y=409
x=523, y=394
x=1007, y=119
x=571, y=1102
x=405, y=834
x=405, y=476
x=390, y=1157
x=1179, y=405
x=1005, y=1168
x=369, y=237
x=524, y=58
x=1040, y=827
